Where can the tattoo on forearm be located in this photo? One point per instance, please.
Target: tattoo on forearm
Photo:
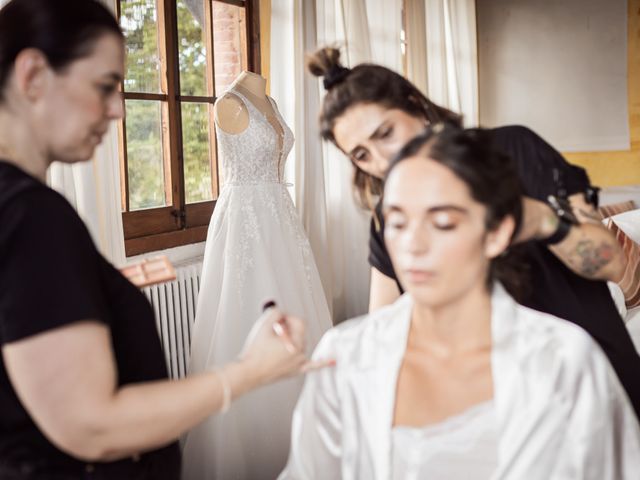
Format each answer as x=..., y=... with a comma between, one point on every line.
x=589, y=258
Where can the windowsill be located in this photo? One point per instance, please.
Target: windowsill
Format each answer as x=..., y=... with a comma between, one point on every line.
x=178, y=256
x=159, y=241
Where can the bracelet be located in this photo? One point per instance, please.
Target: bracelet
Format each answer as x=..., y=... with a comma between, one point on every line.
x=564, y=227
x=226, y=391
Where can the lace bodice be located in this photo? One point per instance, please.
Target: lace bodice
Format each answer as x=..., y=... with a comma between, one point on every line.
x=254, y=156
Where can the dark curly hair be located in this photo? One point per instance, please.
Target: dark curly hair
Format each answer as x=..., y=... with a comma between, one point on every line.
x=493, y=182
x=368, y=83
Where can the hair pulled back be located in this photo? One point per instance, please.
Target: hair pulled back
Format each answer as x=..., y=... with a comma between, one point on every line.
x=63, y=30
x=368, y=83
x=492, y=181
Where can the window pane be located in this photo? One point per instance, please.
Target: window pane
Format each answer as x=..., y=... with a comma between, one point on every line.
x=138, y=19
x=197, y=155
x=230, y=44
x=145, y=154
x=192, y=47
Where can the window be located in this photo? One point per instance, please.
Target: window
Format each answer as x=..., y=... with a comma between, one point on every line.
x=179, y=55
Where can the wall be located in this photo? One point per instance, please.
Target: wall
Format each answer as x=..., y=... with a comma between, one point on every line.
x=559, y=68
x=525, y=54
x=229, y=26
x=265, y=40
x=621, y=167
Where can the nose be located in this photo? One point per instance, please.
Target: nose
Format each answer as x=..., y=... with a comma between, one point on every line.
x=380, y=161
x=416, y=241
x=115, y=106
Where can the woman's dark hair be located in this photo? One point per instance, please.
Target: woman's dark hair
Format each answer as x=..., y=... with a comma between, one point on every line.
x=63, y=30
x=368, y=83
x=492, y=181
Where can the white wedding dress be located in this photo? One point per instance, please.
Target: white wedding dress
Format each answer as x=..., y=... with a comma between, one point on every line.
x=256, y=250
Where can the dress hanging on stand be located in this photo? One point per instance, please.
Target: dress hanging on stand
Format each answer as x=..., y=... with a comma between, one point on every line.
x=256, y=250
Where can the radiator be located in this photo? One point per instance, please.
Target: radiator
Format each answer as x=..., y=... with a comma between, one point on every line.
x=174, y=304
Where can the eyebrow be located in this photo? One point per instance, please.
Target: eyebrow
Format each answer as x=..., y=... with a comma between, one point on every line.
x=375, y=134
x=436, y=209
x=116, y=77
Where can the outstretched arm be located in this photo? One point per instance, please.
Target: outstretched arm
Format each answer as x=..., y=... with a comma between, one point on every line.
x=67, y=380
x=590, y=250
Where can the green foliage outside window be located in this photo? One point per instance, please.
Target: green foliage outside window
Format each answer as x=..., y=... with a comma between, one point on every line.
x=144, y=127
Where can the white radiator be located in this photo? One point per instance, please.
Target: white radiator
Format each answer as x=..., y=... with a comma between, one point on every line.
x=175, y=304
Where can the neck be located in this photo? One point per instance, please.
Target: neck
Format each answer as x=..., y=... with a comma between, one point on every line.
x=459, y=326
x=18, y=146
x=252, y=83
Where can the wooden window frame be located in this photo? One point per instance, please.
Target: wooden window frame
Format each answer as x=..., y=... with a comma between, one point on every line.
x=178, y=223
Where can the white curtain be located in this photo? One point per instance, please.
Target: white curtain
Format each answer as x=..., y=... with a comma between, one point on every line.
x=367, y=30
x=292, y=33
x=442, y=56
x=93, y=188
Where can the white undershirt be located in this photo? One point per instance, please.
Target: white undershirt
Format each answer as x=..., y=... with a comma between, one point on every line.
x=459, y=448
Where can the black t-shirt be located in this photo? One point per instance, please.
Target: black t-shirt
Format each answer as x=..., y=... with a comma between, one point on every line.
x=51, y=275
x=557, y=290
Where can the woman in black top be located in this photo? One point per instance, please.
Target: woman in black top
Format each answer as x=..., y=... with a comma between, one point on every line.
x=370, y=112
x=83, y=383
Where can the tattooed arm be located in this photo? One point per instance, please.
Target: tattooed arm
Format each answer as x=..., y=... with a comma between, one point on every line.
x=589, y=249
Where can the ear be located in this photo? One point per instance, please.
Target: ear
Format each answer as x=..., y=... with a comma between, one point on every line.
x=499, y=239
x=30, y=72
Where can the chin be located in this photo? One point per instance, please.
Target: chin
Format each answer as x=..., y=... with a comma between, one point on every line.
x=426, y=296
x=433, y=294
x=430, y=301
x=77, y=156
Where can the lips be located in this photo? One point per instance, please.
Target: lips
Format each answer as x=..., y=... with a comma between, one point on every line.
x=419, y=276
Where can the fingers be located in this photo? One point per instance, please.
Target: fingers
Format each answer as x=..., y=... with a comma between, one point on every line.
x=281, y=330
x=272, y=314
x=297, y=331
x=265, y=322
x=290, y=330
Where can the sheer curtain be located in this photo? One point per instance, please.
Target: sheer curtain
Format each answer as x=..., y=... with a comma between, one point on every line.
x=442, y=56
x=93, y=188
x=367, y=30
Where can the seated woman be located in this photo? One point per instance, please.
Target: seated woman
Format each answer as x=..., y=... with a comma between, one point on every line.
x=455, y=379
x=370, y=112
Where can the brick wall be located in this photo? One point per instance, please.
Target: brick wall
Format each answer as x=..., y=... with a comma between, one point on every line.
x=229, y=36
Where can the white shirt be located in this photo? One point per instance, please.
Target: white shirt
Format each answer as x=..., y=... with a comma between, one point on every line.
x=561, y=412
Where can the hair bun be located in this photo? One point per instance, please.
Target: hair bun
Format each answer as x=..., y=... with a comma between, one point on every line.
x=334, y=77
x=326, y=63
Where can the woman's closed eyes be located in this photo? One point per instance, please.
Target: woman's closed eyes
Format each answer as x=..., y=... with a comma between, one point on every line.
x=440, y=220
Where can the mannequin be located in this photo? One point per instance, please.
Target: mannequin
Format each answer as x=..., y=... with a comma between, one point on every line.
x=256, y=250
x=231, y=113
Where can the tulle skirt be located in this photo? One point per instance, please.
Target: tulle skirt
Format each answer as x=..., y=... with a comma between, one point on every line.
x=256, y=251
